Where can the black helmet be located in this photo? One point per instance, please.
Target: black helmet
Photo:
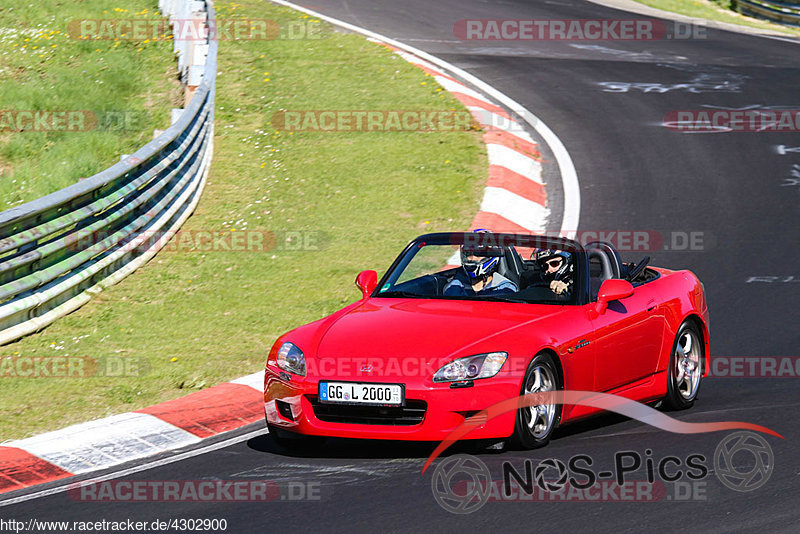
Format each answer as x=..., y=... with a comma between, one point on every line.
x=564, y=271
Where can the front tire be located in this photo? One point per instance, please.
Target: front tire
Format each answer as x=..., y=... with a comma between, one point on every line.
x=685, y=368
x=535, y=424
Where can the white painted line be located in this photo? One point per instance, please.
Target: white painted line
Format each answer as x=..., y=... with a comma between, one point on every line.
x=569, y=177
x=106, y=442
x=136, y=469
x=515, y=161
x=255, y=381
x=413, y=59
x=515, y=208
x=455, y=87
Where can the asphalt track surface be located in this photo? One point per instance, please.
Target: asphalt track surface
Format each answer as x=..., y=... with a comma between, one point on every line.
x=635, y=174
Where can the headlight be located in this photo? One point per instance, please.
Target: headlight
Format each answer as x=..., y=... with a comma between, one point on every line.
x=291, y=359
x=471, y=367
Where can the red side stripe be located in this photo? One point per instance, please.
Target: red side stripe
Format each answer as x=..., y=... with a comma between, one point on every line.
x=500, y=176
x=20, y=469
x=213, y=410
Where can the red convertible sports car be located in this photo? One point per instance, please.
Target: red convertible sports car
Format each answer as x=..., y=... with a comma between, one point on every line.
x=462, y=321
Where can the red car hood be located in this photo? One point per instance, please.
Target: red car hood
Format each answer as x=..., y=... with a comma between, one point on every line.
x=397, y=328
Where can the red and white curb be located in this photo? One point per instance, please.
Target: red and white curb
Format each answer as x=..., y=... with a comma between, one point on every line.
x=517, y=217
x=514, y=200
x=108, y=442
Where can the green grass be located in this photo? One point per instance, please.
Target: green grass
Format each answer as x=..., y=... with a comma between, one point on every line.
x=201, y=318
x=719, y=10
x=44, y=67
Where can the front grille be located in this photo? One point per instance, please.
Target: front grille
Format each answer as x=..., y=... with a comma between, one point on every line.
x=411, y=414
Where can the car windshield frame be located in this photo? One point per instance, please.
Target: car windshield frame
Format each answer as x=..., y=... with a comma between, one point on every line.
x=530, y=241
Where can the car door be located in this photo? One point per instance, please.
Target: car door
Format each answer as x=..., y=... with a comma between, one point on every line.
x=628, y=336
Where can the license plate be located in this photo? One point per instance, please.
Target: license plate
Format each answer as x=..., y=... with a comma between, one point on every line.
x=359, y=393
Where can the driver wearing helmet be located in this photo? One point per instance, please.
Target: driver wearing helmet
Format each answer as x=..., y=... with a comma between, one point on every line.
x=557, y=269
x=478, y=273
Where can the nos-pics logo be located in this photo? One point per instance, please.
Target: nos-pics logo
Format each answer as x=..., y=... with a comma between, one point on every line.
x=753, y=468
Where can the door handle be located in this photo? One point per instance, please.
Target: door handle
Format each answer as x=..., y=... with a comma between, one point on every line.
x=651, y=306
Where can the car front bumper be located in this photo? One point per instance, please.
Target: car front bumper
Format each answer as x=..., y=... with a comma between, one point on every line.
x=431, y=413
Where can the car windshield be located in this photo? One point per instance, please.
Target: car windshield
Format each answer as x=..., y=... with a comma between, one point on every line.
x=484, y=266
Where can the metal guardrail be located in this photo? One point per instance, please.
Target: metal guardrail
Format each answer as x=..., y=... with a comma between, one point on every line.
x=780, y=12
x=55, y=252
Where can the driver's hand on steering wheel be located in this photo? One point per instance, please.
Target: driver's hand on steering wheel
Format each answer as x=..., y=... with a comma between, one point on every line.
x=558, y=286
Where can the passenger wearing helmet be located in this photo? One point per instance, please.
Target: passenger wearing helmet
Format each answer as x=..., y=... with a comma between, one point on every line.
x=557, y=269
x=478, y=273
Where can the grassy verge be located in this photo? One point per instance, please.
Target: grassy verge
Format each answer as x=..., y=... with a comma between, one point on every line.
x=718, y=10
x=192, y=318
x=127, y=86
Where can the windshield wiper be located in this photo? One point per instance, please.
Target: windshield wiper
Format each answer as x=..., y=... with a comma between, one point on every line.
x=398, y=293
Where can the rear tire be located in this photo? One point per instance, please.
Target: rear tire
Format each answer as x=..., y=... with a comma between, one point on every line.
x=685, y=368
x=535, y=424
